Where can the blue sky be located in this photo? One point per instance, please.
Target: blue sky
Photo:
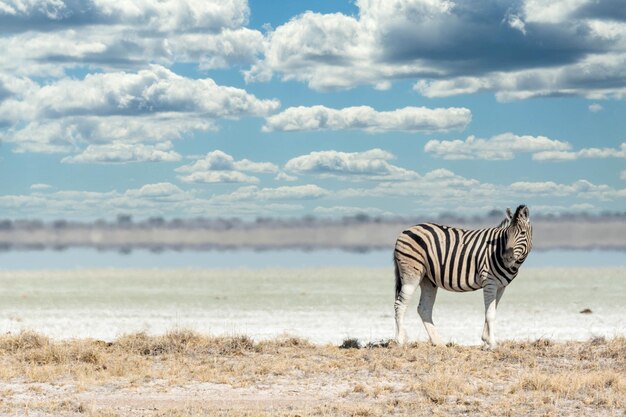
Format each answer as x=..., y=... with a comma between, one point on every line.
x=234, y=108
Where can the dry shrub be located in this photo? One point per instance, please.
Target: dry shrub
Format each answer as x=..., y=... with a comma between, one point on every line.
x=285, y=342
x=616, y=349
x=542, y=343
x=438, y=387
x=350, y=344
x=235, y=345
x=24, y=340
x=138, y=343
x=184, y=342
x=344, y=410
x=143, y=344
x=36, y=349
x=358, y=388
x=574, y=383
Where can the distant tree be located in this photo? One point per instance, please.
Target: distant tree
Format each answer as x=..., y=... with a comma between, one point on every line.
x=361, y=218
x=156, y=221
x=494, y=213
x=59, y=224
x=124, y=219
x=177, y=223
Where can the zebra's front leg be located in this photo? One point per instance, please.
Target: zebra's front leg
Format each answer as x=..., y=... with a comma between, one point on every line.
x=425, y=310
x=485, y=335
x=492, y=294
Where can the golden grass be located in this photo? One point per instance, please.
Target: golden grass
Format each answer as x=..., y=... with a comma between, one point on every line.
x=183, y=373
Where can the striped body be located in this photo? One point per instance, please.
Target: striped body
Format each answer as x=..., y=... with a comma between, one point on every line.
x=429, y=256
x=455, y=259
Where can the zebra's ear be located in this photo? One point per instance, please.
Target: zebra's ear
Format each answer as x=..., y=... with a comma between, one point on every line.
x=509, y=214
x=522, y=213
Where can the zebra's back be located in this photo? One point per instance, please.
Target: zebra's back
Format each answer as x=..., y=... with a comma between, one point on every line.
x=451, y=258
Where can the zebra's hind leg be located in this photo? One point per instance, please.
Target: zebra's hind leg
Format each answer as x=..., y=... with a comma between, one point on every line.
x=425, y=310
x=406, y=285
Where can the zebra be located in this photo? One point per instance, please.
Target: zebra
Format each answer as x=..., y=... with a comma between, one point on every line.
x=459, y=260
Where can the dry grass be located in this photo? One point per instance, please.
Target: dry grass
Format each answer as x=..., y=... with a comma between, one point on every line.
x=183, y=373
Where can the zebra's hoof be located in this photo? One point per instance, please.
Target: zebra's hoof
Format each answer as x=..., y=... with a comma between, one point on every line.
x=489, y=346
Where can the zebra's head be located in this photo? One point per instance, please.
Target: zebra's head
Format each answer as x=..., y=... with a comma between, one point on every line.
x=519, y=238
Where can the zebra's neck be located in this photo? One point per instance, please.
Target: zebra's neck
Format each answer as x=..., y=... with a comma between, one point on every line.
x=494, y=261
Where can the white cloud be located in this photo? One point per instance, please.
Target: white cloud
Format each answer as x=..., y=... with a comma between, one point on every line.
x=503, y=146
x=159, y=199
x=160, y=16
x=212, y=161
x=350, y=211
x=306, y=47
x=442, y=190
x=411, y=119
x=516, y=23
x=507, y=145
x=70, y=134
x=282, y=176
x=240, y=46
x=623, y=175
x=218, y=176
x=356, y=166
x=580, y=78
x=259, y=167
x=46, y=37
x=218, y=166
x=582, y=153
x=434, y=192
x=148, y=200
x=431, y=193
x=434, y=187
x=553, y=48
x=580, y=188
x=544, y=187
x=595, y=107
x=162, y=191
x=152, y=105
x=552, y=11
x=119, y=152
x=40, y=186
x=254, y=193
x=149, y=91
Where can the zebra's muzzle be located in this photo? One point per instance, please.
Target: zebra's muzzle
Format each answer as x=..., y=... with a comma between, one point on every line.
x=509, y=257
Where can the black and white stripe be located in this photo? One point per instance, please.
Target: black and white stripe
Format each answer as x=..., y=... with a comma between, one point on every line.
x=438, y=256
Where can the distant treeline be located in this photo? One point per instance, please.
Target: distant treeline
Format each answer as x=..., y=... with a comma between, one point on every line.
x=355, y=233
x=124, y=220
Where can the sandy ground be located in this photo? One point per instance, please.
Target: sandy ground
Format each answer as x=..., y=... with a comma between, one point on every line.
x=158, y=397
x=186, y=374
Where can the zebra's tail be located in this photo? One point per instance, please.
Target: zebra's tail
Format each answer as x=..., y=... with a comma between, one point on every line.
x=398, y=280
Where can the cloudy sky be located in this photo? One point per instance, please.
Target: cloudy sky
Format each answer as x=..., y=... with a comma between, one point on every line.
x=256, y=108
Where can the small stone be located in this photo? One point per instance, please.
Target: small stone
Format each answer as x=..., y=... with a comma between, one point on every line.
x=586, y=311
